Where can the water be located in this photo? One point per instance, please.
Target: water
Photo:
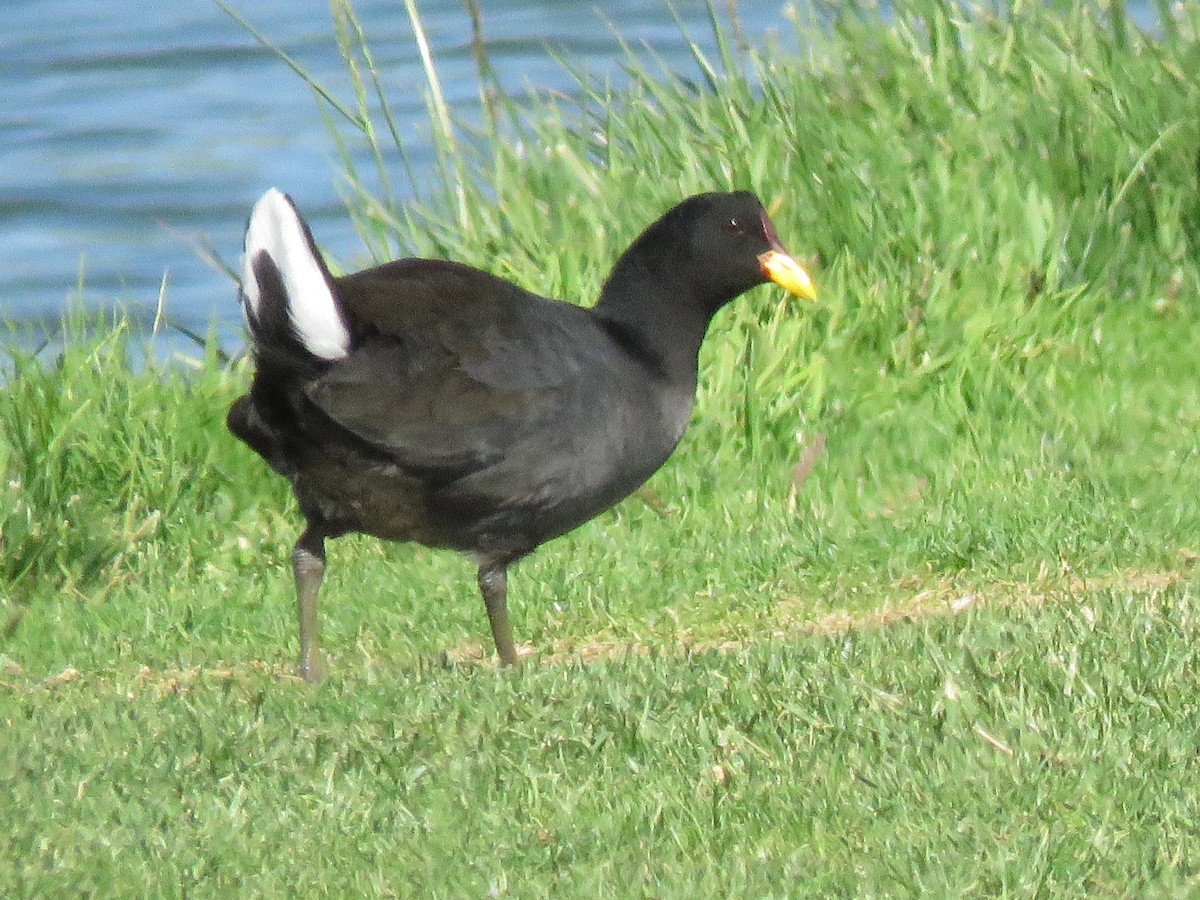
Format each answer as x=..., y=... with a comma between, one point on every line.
x=125, y=127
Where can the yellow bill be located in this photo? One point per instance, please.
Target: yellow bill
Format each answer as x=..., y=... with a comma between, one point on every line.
x=788, y=274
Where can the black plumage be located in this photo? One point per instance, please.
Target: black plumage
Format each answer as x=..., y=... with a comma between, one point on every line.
x=428, y=401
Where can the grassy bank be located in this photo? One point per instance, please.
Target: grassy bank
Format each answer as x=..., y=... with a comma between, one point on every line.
x=1026, y=752
x=994, y=412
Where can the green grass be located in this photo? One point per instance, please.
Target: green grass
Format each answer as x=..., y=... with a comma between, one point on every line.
x=1005, y=215
x=1029, y=752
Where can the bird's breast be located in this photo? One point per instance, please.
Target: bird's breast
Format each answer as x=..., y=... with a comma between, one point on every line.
x=604, y=458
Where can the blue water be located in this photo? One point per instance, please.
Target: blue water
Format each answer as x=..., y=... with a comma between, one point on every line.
x=127, y=128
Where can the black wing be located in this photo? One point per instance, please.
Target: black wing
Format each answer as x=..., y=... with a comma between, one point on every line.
x=451, y=367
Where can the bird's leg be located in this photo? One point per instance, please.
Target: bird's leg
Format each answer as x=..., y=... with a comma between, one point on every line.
x=493, y=584
x=308, y=565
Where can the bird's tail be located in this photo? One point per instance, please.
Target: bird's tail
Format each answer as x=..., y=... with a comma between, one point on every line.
x=288, y=295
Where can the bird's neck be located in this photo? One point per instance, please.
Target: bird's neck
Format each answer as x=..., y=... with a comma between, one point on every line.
x=656, y=319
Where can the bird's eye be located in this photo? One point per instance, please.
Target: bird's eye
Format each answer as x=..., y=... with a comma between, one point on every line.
x=733, y=226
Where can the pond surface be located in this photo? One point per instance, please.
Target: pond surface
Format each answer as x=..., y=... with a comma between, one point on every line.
x=127, y=128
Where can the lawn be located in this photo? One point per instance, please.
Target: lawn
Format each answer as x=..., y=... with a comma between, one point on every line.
x=912, y=611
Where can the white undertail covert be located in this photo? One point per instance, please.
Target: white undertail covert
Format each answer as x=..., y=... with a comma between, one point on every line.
x=276, y=229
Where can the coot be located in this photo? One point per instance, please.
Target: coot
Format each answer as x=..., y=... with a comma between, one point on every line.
x=424, y=400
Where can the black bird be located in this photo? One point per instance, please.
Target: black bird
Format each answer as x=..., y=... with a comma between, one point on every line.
x=428, y=401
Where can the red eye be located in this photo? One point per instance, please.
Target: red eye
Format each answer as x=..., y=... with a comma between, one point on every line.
x=733, y=226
